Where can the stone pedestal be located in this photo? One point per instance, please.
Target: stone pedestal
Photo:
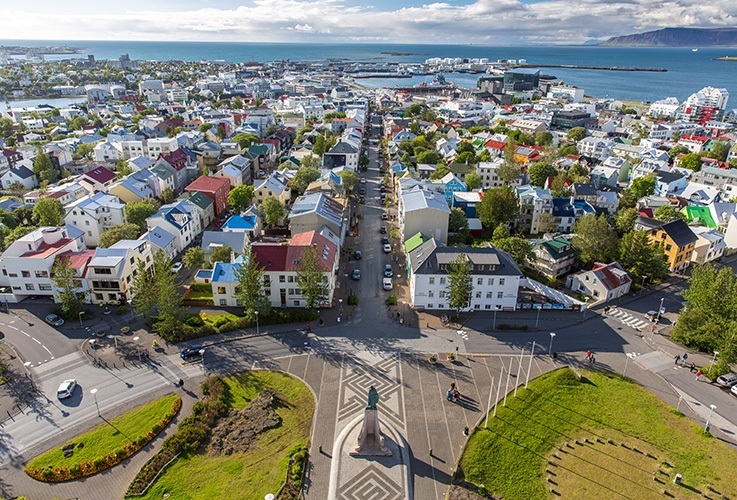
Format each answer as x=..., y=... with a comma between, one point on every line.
x=370, y=442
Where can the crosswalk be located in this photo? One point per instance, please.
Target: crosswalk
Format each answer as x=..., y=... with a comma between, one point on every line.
x=641, y=324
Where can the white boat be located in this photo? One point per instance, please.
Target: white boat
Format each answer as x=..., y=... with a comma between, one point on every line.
x=694, y=50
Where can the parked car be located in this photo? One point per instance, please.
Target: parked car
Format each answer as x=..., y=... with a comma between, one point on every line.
x=176, y=267
x=362, y=191
x=363, y=180
x=66, y=388
x=733, y=389
x=388, y=271
x=382, y=189
x=54, y=320
x=261, y=172
x=190, y=352
x=384, y=216
x=384, y=240
x=651, y=315
x=382, y=229
x=356, y=274
x=387, y=284
x=727, y=380
x=387, y=248
x=357, y=255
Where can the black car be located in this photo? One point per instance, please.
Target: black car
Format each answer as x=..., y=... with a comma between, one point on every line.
x=384, y=240
x=357, y=255
x=361, y=191
x=190, y=352
x=382, y=229
x=382, y=189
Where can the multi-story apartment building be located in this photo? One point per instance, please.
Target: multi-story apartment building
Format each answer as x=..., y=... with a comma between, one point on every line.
x=110, y=272
x=95, y=214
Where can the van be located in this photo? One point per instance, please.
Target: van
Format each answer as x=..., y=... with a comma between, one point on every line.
x=727, y=380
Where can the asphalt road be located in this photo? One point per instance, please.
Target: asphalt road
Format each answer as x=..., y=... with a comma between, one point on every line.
x=35, y=340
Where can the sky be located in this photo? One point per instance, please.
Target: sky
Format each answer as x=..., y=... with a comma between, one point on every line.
x=486, y=22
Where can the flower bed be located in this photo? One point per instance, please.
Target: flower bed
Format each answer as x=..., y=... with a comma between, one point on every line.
x=86, y=468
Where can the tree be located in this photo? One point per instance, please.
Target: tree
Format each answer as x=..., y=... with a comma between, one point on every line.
x=467, y=157
x=310, y=161
x=540, y=171
x=719, y=150
x=501, y=232
x=667, y=213
x=17, y=233
x=498, y=206
x=625, y=219
x=84, y=151
x=546, y=223
x=568, y=149
x=319, y=147
x=222, y=133
x=473, y=181
x=311, y=278
x=168, y=298
x=221, y=254
x=543, y=138
x=677, y=150
x=204, y=127
x=595, y=239
x=644, y=186
x=48, y=212
x=193, y=258
x=427, y=157
x=138, y=211
x=576, y=134
x=440, y=171
x=350, y=179
x=640, y=257
x=67, y=289
x=114, y=234
x=460, y=285
x=166, y=196
x=240, y=198
x=44, y=168
x=237, y=103
x=249, y=291
x=246, y=140
x=519, y=248
x=143, y=301
x=303, y=178
x=457, y=221
x=691, y=161
x=273, y=211
x=509, y=172
x=122, y=168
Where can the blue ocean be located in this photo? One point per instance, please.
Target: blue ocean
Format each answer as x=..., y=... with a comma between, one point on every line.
x=687, y=70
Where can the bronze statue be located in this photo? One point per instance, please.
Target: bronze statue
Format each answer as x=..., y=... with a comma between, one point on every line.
x=373, y=398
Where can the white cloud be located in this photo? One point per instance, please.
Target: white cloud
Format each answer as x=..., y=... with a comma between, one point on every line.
x=490, y=21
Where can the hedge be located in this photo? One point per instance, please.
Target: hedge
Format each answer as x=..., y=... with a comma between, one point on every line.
x=99, y=464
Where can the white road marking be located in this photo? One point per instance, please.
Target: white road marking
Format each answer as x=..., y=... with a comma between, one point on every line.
x=13, y=327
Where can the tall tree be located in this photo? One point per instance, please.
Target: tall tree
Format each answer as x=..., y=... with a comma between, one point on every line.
x=350, y=179
x=168, y=298
x=457, y=221
x=138, y=211
x=114, y=234
x=44, y=168
x=167, y=195
x=459, y=287
x=519, y=248
x=249, y=291
x=691, y=161
x=576, y=134
x=17, y=233
x=240, y=198
x=273, y=211
x=543, y=138
x=311, y=278
x=310, y=161
x=668, y=213
x=221, y=254
x=640, y=257
x=441, y=170
x=193, y=258
x=48, y=212
x=498, y=206
x=625, y=219
x=473, y=181
x=143, y=300
x=71, y=299
x=595, y=238
x=303, y=178
x=540, y=171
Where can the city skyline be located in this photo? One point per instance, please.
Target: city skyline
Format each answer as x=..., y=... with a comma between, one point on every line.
x=501, y=22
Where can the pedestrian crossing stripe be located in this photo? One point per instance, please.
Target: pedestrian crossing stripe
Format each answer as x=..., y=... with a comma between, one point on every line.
x=629, y=320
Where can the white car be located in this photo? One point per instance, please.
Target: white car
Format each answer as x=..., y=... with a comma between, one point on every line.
x=363, y=180
x=176, y=268
x=387, y=284
x=387, y=248
x=66, y=388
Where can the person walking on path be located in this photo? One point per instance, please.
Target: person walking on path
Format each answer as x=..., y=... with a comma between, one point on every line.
x=309, y=327
x=588, y=355
x=698, y=374
x=676, y=359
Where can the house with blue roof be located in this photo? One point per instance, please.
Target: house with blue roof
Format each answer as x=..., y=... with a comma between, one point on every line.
x=566, y=211
x=249, y=222
x=179, y=220
x=452, y=185
x=161, y=239
x=130, y=190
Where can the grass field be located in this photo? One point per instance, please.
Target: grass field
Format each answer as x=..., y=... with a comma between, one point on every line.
x=636, y=444
x=108, y=437
x=245, y=475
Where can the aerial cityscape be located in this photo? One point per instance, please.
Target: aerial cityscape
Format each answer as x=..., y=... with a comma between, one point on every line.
x=302, y=250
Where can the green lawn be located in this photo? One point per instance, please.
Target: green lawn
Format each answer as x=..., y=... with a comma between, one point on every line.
x=200, y=291
x=218, y=319
x=107, y=437
x=649, y=439
x=261, y=470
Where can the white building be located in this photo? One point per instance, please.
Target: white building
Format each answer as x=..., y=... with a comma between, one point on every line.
x=710, y=245
x=110, y=272
x=178, y=219
x=666, y=108
x=94, y=215
x=494, y=275
x=604, y=282
x=423, y=211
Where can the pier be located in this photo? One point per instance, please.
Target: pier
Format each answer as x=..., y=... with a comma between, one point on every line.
x=603, y=68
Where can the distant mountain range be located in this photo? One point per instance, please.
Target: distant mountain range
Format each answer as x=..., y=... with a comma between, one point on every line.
x=679, y=37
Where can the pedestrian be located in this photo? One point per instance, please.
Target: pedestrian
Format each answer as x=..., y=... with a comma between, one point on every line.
x=693, y=367
x=698, y=374
x=592, y=359
x=449, y=395
x=309, y=327
x=181, y=383
x=685, y=357
x=452, y=386
x=676, y=359
x=588, y=355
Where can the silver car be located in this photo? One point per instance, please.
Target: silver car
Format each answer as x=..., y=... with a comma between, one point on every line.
x=66, y=388
x=727, y=380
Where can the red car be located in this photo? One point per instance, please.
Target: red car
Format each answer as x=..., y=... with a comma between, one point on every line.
x=219, y=222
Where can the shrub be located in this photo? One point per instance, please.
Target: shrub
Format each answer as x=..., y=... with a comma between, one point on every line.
x=194, y=320
x=98, y=462
x=391, y=300
x=352, y=299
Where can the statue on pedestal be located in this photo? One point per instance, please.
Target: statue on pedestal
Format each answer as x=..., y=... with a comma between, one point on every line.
x=370, y=442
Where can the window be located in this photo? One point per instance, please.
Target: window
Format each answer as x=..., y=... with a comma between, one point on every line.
x=45, y=288
x=290, y=279
x=25, y=274
x=478, y=295
x=282, y=278
x=477, y=306
x=501, y=281
x=296, y=303
x=430, y=306
x=297, y=291
x=487, y=306
x=102, y=270
x=221, y=290
x=480, y=281
x=442, y=281
x=668, y=248
x=491, y=281
x=432, y=280
x=42, y=274
x=500, y=295
x=489, y=295
x=431, y=294
x=441, y=306
x=223, y=302
x=291, y=291
x=442, y=294
x=133, y=261
x=98, y=296
x=29, y=286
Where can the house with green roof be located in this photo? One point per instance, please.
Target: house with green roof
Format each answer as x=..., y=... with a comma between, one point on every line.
x=554, y=257
x=699, y=216
x=414, y=241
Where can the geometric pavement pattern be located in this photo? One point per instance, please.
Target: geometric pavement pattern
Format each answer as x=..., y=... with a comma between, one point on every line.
x=371, y=484
x=356, y=379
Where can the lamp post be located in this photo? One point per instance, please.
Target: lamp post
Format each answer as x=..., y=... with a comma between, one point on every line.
x=80, y=318
x=130, y=308
x=94, y=393
x=550, y=349
x=642, y=288
x=708, y=419
x=138, y=349
x=340, y=311
x=626, y=360
x=257, y=331
x=537, y=320
x=404, y=307
x=660, y=310
x=713, y=358
x=496, y=308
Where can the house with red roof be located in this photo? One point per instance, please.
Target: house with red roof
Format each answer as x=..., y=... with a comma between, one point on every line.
x=280, y=264
x=694, y=143
x=98, y=179
x=8, y=158
x=603, y=283
x=215, y=188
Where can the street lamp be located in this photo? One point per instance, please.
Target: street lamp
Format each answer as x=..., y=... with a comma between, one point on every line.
x=660, y=310
x=404, y=307
x=94, y=393
x=642, y=288
x=257, y=331
x=340, y=312
x=713, y=358
x=130, y=308
x=626, y=360
x=708, y=419
x=80, y=318
x=496, y=308
x=550, y=349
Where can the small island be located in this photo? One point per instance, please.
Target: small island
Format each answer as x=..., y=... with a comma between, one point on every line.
x=391, y=53
x=726, y=58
